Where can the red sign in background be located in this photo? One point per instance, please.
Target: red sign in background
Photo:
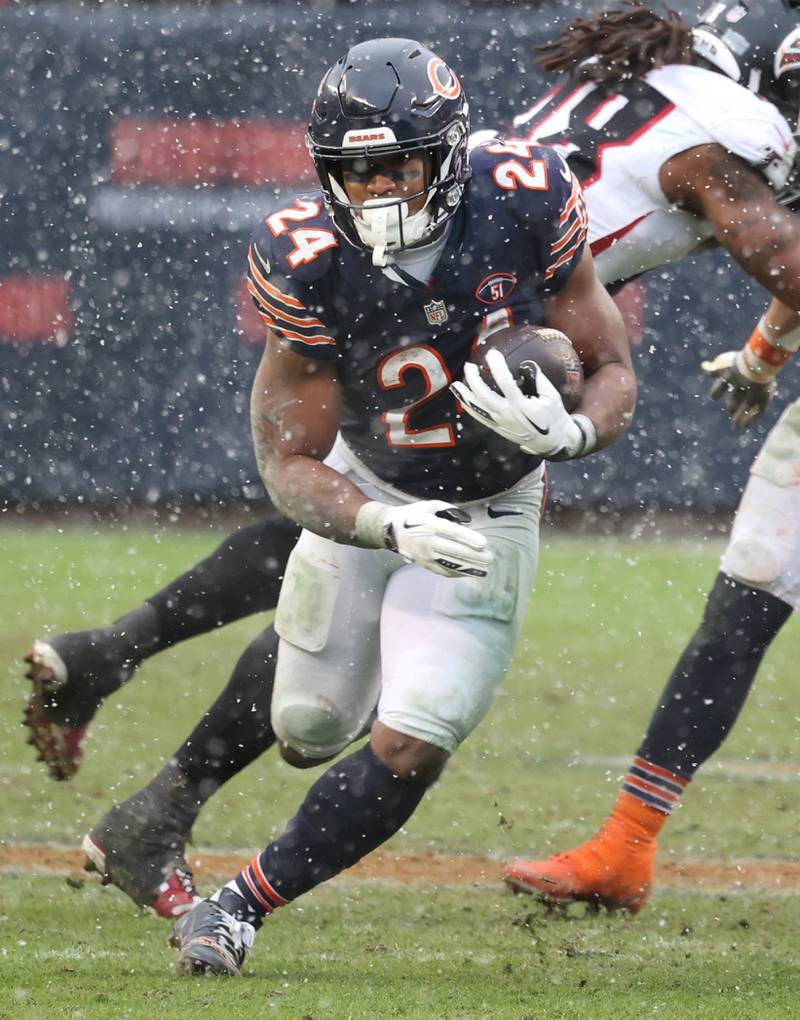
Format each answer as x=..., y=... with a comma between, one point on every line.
x=35, y=308
x=182, y=153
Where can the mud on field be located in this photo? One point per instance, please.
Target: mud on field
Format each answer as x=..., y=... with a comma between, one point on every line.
x=704, y=875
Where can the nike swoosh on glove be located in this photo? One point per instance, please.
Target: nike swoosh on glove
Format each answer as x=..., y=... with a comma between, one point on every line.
x=538, y=424
x=432, y=533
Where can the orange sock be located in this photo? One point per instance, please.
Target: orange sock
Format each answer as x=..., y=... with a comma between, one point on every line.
x=640, y=822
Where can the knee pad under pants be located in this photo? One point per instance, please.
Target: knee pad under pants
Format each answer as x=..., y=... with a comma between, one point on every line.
x=361, y=627
x=764, y=547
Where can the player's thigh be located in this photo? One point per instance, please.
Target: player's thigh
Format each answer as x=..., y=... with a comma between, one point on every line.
x=327, y=676
x=447, y=642
x=764, y=547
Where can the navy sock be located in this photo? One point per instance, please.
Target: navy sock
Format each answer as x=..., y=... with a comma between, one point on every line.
x=356, y=805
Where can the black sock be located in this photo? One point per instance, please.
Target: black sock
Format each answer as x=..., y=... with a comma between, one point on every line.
x=356, y=805
x=242, y=576
x=99, y=662
x=236, y=729
x=710, y=683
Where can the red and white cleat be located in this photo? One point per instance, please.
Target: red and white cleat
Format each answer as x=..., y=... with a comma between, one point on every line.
x=171, y=898
x=59, y=746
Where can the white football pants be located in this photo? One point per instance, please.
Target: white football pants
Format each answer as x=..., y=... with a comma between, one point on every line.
x=764, y=547
x=362, y=629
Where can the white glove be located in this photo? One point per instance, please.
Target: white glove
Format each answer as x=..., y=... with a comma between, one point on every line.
x=431, y=533
x=748, y=398
x=538, y=424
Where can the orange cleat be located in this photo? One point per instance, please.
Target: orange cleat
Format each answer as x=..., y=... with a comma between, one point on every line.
x=613, y=869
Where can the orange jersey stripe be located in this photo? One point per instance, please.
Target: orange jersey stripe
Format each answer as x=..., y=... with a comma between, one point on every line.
x=565, y=257
x=566, y=238
x=304, y=322
x=572, y=201
x=268, y=287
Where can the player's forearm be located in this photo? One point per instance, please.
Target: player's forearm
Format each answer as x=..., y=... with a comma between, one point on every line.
x=314, y=495
x=609, y=400
x=780, y=326
x=767, y=246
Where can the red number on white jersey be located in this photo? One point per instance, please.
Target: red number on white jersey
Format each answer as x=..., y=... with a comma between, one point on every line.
x=436, y=377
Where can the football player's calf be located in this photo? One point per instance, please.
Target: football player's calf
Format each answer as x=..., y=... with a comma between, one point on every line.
x=354, y=807
x=695, y=713
x=73, y=673
x=139, y=845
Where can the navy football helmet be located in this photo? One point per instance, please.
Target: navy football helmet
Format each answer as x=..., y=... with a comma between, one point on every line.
x=757, y=43
x=383, y=98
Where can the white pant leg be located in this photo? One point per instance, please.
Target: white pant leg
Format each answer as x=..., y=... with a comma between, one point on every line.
x=447, y=642
x=764, y=547
x=341, y=636
x=327, y=676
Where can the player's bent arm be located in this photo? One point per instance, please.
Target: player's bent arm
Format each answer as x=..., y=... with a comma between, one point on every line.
x=748, y=221
x=294, y=416
x=294, y=411
x=584, y=311
x=538, y=422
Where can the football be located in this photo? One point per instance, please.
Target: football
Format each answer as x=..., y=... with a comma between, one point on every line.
x=549, y=348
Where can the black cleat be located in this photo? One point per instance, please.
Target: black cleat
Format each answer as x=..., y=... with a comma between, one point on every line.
x=209, y=940
x=138, y=846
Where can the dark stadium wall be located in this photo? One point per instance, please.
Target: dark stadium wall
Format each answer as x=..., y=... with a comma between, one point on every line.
x=138, y=146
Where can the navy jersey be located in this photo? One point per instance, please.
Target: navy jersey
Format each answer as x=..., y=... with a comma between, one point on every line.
x=516, y=239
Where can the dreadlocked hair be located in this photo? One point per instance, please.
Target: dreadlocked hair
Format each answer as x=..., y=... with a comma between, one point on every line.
x=621, y=42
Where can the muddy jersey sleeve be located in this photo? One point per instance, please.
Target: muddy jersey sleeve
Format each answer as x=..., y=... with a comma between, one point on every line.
x=286, y=277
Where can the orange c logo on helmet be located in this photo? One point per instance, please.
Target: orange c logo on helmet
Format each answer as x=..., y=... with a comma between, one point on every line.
x=443, y=79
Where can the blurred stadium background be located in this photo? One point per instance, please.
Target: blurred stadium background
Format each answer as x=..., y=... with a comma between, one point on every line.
x=139, y=143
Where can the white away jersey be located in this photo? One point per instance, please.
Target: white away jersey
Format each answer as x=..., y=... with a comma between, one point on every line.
x=616, y=141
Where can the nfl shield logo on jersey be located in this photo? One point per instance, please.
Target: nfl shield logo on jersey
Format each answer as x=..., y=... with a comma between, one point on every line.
x=436, y=313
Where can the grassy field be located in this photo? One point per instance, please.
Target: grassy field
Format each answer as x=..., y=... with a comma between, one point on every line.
x=606, y=624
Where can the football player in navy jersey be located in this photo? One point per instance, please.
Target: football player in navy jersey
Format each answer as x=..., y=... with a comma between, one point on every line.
x=360, y=438
x=649, y=159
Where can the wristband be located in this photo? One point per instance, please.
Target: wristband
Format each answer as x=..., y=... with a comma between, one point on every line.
x=759, y=360
x=582, y=440
x=372, y=531
x=787, y=341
